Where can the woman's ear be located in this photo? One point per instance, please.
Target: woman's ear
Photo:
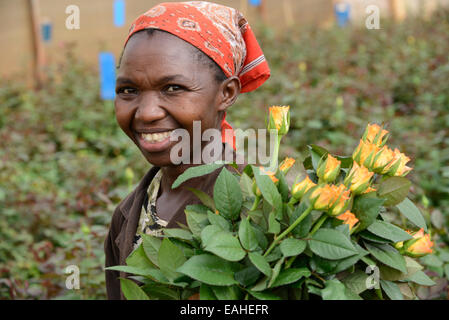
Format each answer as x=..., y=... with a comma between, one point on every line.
x=228, y=92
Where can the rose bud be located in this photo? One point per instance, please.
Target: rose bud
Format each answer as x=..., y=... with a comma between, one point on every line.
x=328, y=169
x=375, y=134
x=300, y=188
x=358, y=179
x=279, y=119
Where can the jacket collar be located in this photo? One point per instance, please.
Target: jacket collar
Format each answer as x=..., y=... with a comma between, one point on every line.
x=127, y=203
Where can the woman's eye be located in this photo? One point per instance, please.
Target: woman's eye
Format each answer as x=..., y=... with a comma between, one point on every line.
x=127, y=90
x=173, y=88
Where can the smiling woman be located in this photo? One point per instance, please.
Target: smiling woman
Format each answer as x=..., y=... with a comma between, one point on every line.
x=182, y=63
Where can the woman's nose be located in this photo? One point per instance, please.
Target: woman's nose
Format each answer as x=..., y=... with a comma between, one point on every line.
x=149, y=108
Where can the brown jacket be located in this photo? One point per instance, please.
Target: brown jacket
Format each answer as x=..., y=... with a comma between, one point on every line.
x=118, y=243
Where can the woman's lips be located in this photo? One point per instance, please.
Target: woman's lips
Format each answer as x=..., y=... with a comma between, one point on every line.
x=154, y=142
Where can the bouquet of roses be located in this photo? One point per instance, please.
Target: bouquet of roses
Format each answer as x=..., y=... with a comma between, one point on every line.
x=333, y=234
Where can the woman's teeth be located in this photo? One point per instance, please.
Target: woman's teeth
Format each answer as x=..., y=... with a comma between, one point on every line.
x=155, y=137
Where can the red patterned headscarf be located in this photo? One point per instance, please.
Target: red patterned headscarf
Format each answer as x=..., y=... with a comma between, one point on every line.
x=221, y=32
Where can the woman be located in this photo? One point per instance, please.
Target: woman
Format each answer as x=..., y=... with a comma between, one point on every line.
x=182, y=62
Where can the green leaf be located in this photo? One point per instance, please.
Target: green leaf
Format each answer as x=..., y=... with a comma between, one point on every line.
x=275, y=273
x=196, y=221
x=170, y=257
x=388, y=231
x=432, y=260
x=139, y=259
x=247, y=235
x=387, y=255
x=390, y=274
x=268, y=189
x=204, y=198
x=335, y=290
x=196, y=171
x=226, y=246
x=350, y=261
x=145, y=272
x=209, y=269
x=290, y=275
x=264, y=295
x=346, y=162
x=391, y=289
x=303, y=229
x=261, y=239
x=260, y=263
x=273, y=225
x=372, y=237
x=394, y=190
x=274, y=255
x=216, y=219
x=292, y=247
x=261, y=285
x=412, y=213
x=323, y=266
x=206, y=293
x=283, y=186
x=198, y=208
x=422, y=279
x=316, y=153
x=227, y=293
x=178, y=233
x=356, y=281
x=331, y=244
x=156, y=292
x=247, y=276
x=366, y=209
x=246, y=185
x=208, y=233
x=132, y=291
x=227, y=195
x=151, y=247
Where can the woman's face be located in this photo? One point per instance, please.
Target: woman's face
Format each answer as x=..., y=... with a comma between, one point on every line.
x=163, y=86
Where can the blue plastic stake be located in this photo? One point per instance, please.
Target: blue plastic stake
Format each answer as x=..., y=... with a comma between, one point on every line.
x=119, y=13
x=342, y=13
x=255, y=3
x=46, y=29
x=107, y=75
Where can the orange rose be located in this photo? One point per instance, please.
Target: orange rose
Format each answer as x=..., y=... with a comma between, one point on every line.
x=330, y=198
x=398, y=167
x=348, y=218
x=300, y=188
x=382, y=159
x=328, y=169
x=419, y=246
x=364, y=154
x=375, y=134
x=279, y=119
x=342, y=196
x=358, y=179
x=286, y=165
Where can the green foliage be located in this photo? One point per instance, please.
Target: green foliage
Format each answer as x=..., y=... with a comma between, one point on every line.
x=64, y=166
